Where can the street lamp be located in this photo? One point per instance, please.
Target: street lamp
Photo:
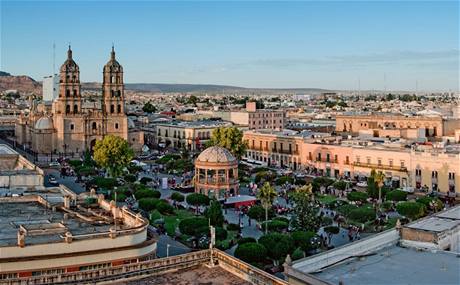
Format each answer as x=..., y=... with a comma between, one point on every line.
x=167, y=250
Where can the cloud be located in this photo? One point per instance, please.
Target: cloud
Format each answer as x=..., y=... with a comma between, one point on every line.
x=393, y=57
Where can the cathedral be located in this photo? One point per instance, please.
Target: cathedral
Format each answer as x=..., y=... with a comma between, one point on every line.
x=70, y=124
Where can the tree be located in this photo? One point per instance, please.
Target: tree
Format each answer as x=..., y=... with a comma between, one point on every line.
x=267, y=195
x=230, y=138
x=412, y=210
x=197, y=199
x=302, y=239
x=177, y=197
x=277, y=245
x=379, y=179
x=113, y=153
x=257, y=212
x=251, y=252
x=396, y=195
x=305, y=209
x=357, y=196
x=214, y=214
x=147, y=193
x=149, y=107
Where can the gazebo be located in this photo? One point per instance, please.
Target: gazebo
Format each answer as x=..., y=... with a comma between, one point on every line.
x=216, y=173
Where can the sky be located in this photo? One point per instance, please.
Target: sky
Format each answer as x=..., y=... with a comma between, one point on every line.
x=390, y=45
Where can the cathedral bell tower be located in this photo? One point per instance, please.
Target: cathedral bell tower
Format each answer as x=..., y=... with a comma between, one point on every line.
x=69, y=100
x=113, y=97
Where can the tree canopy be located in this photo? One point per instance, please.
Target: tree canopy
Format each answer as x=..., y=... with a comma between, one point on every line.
x=305, y=210
x=113, y=153
x=230, y=138
x=149, y=107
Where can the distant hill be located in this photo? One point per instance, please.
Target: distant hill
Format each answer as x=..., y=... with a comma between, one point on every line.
x=21, y=83
x=26, y=84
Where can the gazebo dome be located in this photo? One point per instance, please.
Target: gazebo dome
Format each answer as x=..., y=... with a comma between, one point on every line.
x=44, y=123
x=216, y=154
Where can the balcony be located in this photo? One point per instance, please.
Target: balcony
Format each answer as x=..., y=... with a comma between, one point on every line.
x=380, y=166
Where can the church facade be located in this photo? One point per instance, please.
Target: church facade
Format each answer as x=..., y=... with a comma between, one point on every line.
x=70, y=124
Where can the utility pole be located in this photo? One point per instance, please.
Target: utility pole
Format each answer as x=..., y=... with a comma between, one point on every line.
x=212, y=242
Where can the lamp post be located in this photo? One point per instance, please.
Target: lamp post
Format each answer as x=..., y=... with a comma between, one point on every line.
x=167, y=250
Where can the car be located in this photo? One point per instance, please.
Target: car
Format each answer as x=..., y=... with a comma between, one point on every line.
x=52, y=180
x=54, y=164
x=362, y=184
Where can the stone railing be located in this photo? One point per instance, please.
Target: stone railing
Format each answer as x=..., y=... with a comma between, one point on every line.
x=155, y=267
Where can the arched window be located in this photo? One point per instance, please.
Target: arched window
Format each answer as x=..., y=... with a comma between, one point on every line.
x=94, y=126
x=119, y=108
x=75, y=93
x=75, y=108
x=119, y=93
x=67, y=93
x=67, y=109
x=112, y=108
x=112, y=93
x=116, y=125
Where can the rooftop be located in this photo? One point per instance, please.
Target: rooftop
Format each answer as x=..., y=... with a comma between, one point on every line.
x=196, y=124
x=48, y=225
x=434, y=224
x=396, y=265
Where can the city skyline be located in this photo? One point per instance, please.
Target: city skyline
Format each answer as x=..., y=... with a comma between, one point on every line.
x=407, y=45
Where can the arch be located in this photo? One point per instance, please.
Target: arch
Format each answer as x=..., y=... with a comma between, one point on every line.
x=119, y=108
x=92, y=144
x=112, y=108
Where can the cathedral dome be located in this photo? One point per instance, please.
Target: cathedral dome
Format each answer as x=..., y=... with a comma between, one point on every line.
x=44, y=123
x=216, y=154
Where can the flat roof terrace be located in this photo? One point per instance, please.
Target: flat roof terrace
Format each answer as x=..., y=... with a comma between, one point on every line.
x=43, y=225
x=396, y=265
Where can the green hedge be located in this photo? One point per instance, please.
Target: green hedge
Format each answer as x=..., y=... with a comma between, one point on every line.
x=396, y=195
x=148, y=204
x=362, y=214
x=429, y=202
x=275, y=225
x=357, y=196
x=412, y=210
x=346, y=209
x=147, y=193
x=164, y=207
x=246, y=240
x=194, y=226
x=302, y=239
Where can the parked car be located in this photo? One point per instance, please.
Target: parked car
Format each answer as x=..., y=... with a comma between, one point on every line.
x=362, y=184
x=52, y=180
x=54, y=164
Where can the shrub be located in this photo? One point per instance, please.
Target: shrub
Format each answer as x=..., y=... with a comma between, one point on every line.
x=300, y=181
x=233, y=227
x=130, y=178
x=221, y=233
x=197, y=199
x=282, y=219
x=164, y=207
x=340, y=185
x=103, y=182
x=257, y=212
x=264, y=176
x=362, y=214
x=214, y=214
x=147, y=193
x=321, y=181
x=178, y=197
x=332, y=230
x=302, y=239
x=284, y=179
x=194, y=226
x=148, y=204
x=346, y=209
x=412, y=210
x=246, y=240
x=145, y=180
x=386, y=205
x=357, y=196
x=251, y=252
x=275, y=225
x=75, y=163
x=431, y=203
x=297, y=254
x=396, y=195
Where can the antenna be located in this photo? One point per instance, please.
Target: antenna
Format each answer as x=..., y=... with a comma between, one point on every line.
x=54, y=58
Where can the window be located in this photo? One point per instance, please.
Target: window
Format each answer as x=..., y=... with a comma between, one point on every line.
x=116, y=125
x=67, y=109
x=347, y=160
x=328, y=157
x=67, y=93
x=390, y=162
x=402, y=164
x=94, y=127
x=336, y=158
x=75, y=108
x=452, y=176
x=379, y=162
x=72, y=126
x=119, y=108
x=434, y=174
x=112, y=108
x=368, y=160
